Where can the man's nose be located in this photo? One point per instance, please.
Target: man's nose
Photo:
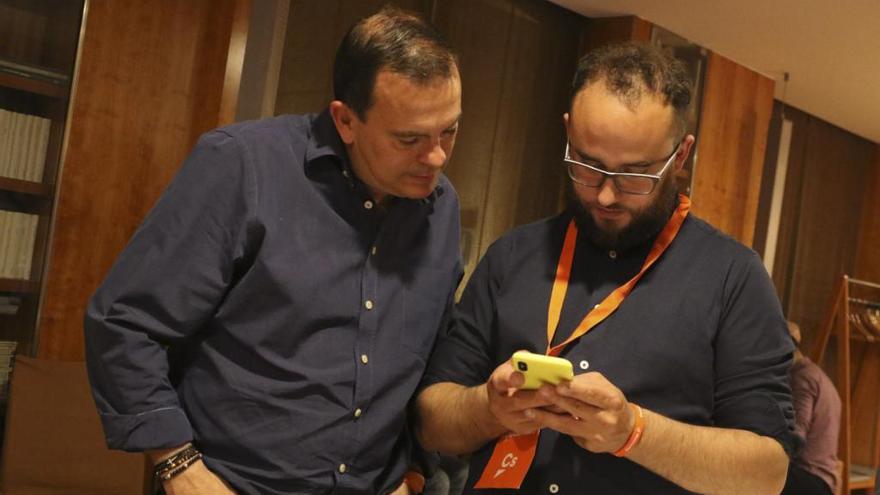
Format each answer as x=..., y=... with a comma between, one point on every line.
x=607, y=192
x=435, y=156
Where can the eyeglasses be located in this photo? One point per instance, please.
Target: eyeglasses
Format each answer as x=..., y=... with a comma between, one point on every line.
x=591, y=175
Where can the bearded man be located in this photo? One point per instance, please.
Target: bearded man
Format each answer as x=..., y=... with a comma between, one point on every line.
x=677, y=338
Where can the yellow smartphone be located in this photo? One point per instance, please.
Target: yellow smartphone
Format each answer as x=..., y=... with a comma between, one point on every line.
x=539, y=369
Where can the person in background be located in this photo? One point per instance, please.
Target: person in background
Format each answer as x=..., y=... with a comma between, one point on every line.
x=814, y=470
x=674, y=329
x=268, y=323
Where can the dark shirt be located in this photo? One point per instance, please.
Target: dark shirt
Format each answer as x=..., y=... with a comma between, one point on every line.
x=268, y=310
x=701, y=339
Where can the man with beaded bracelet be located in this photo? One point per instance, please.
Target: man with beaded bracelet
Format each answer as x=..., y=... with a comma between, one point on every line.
x=674, y=329
x=277, y=307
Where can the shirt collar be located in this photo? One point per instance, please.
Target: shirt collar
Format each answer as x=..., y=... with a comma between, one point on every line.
x=324, y=140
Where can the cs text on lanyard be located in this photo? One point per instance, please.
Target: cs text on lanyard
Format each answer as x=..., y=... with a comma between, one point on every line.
x=513, y=454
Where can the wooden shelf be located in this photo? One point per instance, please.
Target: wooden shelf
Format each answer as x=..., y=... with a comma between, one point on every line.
x=45, y=88
x=25, y=187
x=18, y=286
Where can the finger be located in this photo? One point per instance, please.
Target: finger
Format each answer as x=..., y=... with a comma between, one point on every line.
x=512, y=377
x=521, y=400
x=563, y=423
x=594, y=389
x=553, y=408
x=520, y=422
x=516, y=379
x=499, y=381
x=571, y=406
x=505, y=377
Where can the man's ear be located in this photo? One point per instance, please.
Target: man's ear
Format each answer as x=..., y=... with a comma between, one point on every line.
x=686, y=145
x=343, y=118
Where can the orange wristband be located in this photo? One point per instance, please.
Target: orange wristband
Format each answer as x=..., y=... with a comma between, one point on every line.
x=636, y=435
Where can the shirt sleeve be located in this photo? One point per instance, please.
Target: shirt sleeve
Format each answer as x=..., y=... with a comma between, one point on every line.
x=462, y=354
x=753, y=355
x=162, y=289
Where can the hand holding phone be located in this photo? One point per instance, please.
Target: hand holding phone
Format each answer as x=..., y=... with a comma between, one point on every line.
x=539, y=369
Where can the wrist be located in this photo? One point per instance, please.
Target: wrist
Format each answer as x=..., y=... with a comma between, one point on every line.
x=635, y=435
x=176, y=463
x=158, y=455
x=487, y=422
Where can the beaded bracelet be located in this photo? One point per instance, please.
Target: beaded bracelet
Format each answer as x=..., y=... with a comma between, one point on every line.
x=636, y=435
x=177, y=463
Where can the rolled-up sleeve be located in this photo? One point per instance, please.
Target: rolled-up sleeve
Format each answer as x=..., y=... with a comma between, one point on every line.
x=463, y=353
x=162, y=290
x=753, y=357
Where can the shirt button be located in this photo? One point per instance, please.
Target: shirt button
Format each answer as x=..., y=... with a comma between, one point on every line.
x=343, y=468
x=365, y=359
x=585, y=364
x=368, y=204
x=612, y=255
x=554, y=488
x=373, y=251
x=358, y=412
x=368, y=304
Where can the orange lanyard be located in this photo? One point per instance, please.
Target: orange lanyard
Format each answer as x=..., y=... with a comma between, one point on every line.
x=513, y=454
x=613, y=300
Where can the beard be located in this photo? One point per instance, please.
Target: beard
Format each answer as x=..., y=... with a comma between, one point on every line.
x=644, y=225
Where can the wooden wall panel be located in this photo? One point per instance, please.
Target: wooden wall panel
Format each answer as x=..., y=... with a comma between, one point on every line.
x=604, y=30
x=828, y=216
x=868, y=259
x=151, y=79
x=469, y=24
x=736, y=108
x=314, y=30
x=529, y=142
x=543, y=178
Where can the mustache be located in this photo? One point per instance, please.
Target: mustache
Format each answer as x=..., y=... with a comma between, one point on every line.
x=645, y=223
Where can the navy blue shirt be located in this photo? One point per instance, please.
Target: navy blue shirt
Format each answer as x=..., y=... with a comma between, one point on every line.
x=270, y=311
x=701, y=339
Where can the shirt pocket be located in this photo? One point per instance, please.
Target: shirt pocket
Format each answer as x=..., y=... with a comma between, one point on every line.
x=423, y=310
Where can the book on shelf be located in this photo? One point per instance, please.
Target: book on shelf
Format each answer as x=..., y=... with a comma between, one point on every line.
x=18, y=233
x=9, y=305
x=7, y=360
x=24, y=141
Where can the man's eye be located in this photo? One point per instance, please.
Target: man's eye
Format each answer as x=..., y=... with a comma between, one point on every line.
x=408, y=141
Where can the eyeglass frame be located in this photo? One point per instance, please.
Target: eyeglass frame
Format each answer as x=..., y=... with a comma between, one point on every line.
x=655, y=178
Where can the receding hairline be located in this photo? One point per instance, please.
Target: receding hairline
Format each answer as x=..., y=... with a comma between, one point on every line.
x=633, y=71
x=631, y=101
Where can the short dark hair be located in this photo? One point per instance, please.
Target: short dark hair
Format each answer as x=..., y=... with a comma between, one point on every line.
x=629, y=70
x=392, y=39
